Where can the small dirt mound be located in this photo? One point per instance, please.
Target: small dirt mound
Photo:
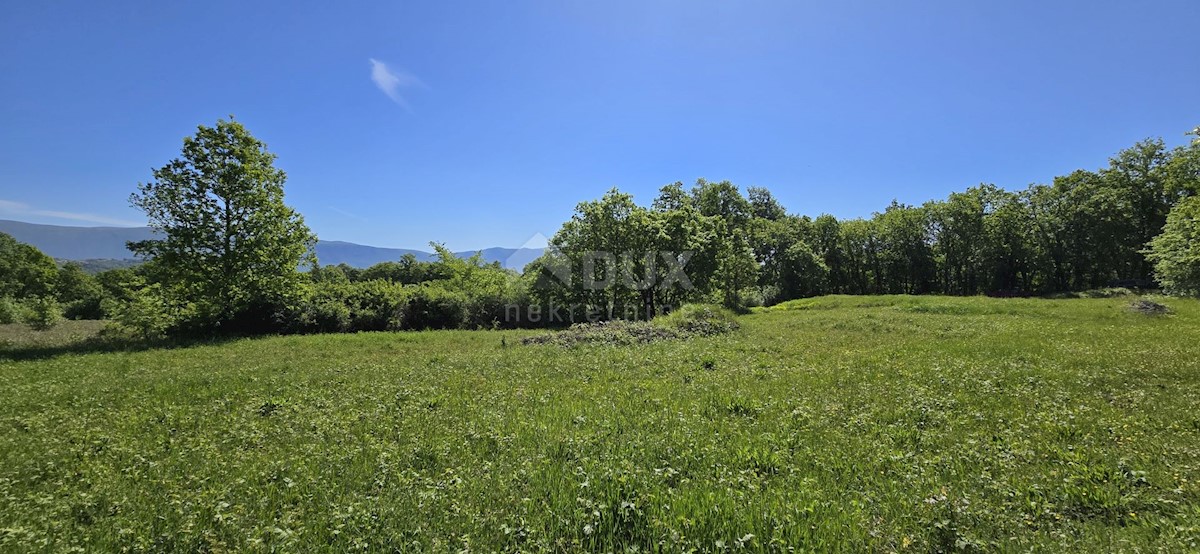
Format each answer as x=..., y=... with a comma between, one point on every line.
x=1148, y=307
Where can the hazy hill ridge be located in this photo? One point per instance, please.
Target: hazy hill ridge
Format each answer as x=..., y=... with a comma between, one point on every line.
x=92, y=243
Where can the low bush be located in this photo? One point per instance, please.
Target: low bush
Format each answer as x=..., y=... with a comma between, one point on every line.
x=11, y=311
x=699, y=319
x=43, y=313
x=432, y=307
x=84, y=308
x=145, y=315
x=325, y=316
x=344, y=306
x=380, y=305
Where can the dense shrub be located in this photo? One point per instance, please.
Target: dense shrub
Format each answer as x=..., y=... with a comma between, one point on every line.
x=145, y=315
x=11, y=311
x=80, y=294
x=85, y=308
x=120, y=284
x=351, y=306
x=466, y=295
x=431, y=307
x=44, y=313
x=325, y=316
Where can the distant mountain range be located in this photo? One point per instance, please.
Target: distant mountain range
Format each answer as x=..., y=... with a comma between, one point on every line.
x=108, y=243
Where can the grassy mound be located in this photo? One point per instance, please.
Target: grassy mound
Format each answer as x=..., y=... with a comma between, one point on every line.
x=689, y=320
x=699, y=319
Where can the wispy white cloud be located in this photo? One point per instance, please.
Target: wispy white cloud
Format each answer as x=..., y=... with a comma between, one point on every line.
x=392, y=81
x=345, y=213
x=18, y=209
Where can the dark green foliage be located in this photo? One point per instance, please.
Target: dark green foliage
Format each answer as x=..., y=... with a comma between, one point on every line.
x=326, y=315
x=435, y=307
x=120, y=284
x=407, y=271
x=329, y=274
x=1087, y=230
x=369, y=306
x=763, y=204
x=455, y=294
x=620, y=259
x=80, y=293
x=803, y=273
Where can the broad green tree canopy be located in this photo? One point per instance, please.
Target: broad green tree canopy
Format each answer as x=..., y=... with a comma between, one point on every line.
x=229, y=243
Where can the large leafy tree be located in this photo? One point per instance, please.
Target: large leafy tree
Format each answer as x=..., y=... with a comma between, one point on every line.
x=601, y=244
x=860, y=245
x=957, y=225
x=736, y=266
x=230, y=247
x=907, y=255
x=826, y=231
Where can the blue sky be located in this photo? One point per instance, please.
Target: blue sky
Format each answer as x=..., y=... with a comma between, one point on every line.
x=495, y=118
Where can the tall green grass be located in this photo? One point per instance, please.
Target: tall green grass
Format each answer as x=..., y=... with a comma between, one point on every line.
x=840, y=423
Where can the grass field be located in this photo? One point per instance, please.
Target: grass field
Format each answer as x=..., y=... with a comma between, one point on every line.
x=838, y=423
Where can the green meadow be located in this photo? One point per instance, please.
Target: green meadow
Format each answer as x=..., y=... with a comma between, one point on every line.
x=875, y=423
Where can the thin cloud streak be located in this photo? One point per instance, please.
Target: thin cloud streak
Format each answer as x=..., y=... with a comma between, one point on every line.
x=345, y=213
x=18, y=209
x=392, y=81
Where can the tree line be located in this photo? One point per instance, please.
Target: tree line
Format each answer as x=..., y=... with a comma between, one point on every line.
x=1129, y=224
x=232, y=257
